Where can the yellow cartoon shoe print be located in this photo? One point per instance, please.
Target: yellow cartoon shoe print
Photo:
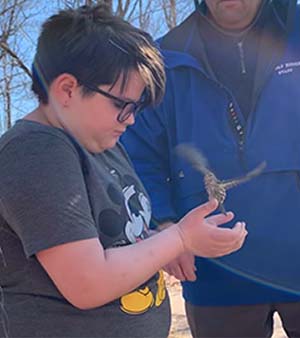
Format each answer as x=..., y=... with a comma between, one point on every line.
x=141, y=300
x=137, y=302
x=161, y=289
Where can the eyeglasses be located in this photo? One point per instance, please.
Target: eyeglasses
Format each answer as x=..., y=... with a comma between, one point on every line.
x=127, y=107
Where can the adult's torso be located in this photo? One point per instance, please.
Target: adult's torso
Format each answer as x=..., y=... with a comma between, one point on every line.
x=208, y=115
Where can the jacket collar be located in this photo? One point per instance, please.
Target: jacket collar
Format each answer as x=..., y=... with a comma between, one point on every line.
x=183, y=43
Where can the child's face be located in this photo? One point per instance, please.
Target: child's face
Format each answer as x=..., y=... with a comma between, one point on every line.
x=93, y=120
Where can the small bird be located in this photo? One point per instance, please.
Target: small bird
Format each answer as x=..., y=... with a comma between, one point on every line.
x=214, y=187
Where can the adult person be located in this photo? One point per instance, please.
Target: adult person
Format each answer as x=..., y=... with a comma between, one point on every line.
x=77, y=260
x=232, y=92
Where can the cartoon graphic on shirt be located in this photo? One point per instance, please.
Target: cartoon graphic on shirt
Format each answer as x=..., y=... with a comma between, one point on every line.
x=161, y=289
x=137, y=302
x=129, y=223
x=136, y=229
x=137, y=225
x=141, y=300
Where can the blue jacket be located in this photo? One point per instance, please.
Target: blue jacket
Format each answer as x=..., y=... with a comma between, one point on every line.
x=197, y=109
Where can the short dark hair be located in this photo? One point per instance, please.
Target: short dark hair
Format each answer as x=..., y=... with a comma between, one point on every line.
x=96, y=47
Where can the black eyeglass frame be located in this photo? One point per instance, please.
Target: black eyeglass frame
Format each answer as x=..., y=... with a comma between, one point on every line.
x=124, y=114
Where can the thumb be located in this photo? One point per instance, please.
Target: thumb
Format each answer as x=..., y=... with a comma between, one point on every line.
x=206, y=208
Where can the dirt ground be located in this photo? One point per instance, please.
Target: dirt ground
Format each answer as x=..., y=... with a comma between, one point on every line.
x=179, y=327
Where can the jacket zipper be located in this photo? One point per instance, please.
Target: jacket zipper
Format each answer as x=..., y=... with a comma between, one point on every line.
x=234, y=121
x=242, y=57
x=239, y=131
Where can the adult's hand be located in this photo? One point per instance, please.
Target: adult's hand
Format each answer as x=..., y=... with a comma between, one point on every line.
x=183, y=267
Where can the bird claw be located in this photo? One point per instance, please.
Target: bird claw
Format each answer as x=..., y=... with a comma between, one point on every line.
x=222, y=209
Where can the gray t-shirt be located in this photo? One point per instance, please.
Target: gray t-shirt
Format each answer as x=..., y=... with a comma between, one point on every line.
x=52, y=191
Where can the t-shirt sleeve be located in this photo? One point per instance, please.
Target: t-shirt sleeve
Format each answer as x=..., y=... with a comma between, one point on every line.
x=43, y=196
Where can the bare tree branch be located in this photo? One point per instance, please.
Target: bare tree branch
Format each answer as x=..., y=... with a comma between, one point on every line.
x=122, y=10
x=5, y=47
x=133, y=9
x=170, y=13
x=5, y=10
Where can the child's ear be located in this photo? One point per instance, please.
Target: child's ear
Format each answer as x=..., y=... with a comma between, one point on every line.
x=63, y=88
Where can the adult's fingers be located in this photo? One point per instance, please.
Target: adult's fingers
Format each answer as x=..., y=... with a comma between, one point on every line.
x=187, y=265
x=183, y=268
x=173, y=269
